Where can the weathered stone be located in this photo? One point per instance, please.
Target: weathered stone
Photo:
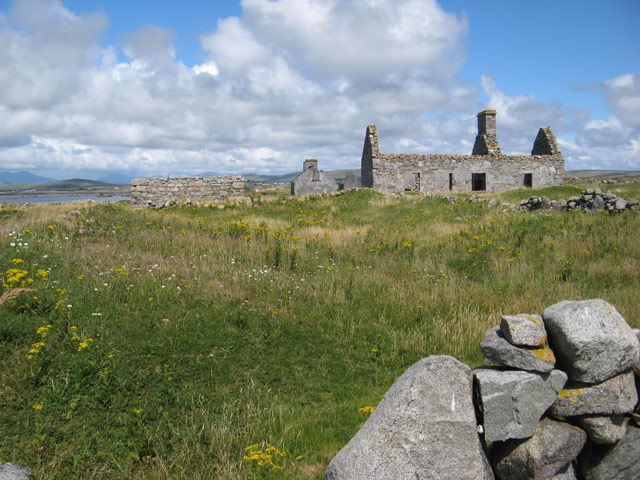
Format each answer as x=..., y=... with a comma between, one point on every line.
x=636, y=366
x=424, y=428
x=350, y=182
x=9, y=471
x=568, y=472
x=497, y=349
x=312, y=180
x=598, y=203
x=524, y=330
x=554, y=445
x=616, y=462
x=165, y=192
x=590, y=339
x=615, y=395
x=513, y=401
x=603, y=430
x=486, y=169
x=621, y=204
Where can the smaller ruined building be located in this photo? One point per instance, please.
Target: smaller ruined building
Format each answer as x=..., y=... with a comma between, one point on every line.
x=486, y=169
x=350, y=182
x=161, y=192
x=312, y=180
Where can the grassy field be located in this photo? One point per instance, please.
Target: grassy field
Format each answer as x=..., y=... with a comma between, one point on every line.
x=178, y=343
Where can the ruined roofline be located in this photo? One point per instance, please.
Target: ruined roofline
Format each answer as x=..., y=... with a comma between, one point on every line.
x=486, y=142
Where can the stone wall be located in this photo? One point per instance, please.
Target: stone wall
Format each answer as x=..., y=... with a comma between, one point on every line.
x=163, y=192
x=491, y=171
x=560, y=402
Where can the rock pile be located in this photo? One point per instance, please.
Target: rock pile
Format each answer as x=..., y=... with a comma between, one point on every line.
x=557, y=404
x=591, y=199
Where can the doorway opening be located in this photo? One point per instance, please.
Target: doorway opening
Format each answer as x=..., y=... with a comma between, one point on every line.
x=478, y=182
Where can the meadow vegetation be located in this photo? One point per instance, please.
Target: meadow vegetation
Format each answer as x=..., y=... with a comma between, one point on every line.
x=253, y=341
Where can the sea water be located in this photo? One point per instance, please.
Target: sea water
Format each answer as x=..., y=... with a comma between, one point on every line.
x=61, y=198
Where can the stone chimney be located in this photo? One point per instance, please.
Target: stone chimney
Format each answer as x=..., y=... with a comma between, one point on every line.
x=486, y=140
x=309, y=163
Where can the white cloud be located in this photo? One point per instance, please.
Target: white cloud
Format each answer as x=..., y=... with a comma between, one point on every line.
x=287, y=80
x=207, y=67
x=360, y=40
x=623, y=95
x=610, y=143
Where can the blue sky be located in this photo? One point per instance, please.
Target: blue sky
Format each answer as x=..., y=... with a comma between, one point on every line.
x=89, y=88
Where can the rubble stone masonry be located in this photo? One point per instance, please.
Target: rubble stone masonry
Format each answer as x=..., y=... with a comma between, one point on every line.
x=489, y=171
x=159, y=192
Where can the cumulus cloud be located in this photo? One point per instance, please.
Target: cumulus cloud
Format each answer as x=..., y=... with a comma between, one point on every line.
x=286, y=80
x=360, y=40
x=611, y=143
x=519, y=117
x=623, y=95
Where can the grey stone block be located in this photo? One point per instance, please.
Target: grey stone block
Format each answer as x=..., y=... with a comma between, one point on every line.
x=513, y=401
x=9, y=471
x=554, y=445
x=617, y=462
x=621, y=204
x=636, y=366
x=603, y=430
x=598, y=203
x=616, y=395
x=497, y=349
x=568, y=472
x=424, y=427
x=591, y=340
x=524, y=330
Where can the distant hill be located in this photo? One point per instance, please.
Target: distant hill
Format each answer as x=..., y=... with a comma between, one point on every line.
x=338, y=175
x=116, y=178
x=12, y=178
x=601, y=173
x=73, y=184
x=257, y=177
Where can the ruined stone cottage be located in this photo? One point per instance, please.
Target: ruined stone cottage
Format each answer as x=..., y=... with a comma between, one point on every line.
x=486, y=169
x=312, y=180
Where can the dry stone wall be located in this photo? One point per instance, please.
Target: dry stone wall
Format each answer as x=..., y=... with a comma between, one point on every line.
x=164, y=192
x=590, y=200
x=559, y=402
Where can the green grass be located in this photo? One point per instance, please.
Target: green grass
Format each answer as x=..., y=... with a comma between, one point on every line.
x=214, y=329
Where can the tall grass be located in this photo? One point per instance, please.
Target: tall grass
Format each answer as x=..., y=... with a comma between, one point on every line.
x=180, y=337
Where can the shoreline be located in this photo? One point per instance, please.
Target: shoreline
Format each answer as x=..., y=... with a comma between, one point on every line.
x=98, y=193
